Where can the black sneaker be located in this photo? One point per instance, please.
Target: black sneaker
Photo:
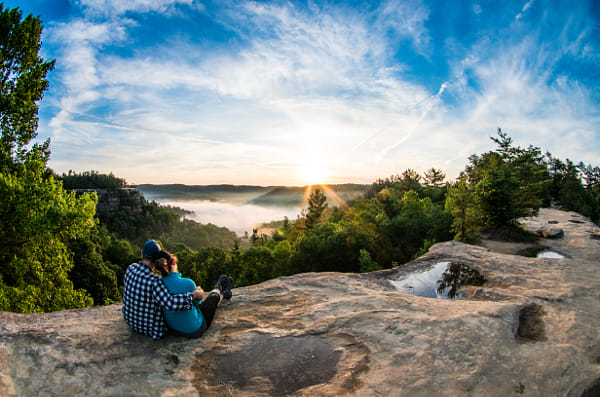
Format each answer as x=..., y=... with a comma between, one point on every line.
x=225, y=284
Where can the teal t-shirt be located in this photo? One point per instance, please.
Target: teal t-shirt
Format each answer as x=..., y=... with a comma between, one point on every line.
x=184, y=321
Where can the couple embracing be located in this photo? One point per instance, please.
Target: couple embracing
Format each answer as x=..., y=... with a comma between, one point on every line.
x=152, y=304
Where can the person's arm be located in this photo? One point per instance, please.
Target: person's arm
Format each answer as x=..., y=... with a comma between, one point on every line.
x=177, y=302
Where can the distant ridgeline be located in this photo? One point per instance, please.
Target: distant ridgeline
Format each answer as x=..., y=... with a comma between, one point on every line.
x=245, y=194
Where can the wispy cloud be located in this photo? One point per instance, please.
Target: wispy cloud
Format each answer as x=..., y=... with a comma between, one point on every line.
x=120, y=7
x=524, y=90
x=524, y=9
x=319, y=83
x=406, y=18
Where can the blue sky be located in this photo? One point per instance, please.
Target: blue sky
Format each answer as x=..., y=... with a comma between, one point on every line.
x=285, y=93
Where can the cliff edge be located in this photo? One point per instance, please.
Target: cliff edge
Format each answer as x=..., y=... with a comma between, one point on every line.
x=531, y=329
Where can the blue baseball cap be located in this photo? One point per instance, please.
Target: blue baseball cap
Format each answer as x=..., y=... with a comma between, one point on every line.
x=150, y=249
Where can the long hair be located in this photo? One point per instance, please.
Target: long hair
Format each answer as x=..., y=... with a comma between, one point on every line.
x=164, y=262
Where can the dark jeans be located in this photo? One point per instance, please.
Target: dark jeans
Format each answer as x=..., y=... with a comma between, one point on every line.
x=208, y=307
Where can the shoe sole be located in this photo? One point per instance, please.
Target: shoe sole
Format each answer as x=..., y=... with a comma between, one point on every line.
x=225, y=283
x=228, y=286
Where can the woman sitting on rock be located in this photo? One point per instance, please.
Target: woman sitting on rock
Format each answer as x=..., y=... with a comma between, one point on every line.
x=194, y=322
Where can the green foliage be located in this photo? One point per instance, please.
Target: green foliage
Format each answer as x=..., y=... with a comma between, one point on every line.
x=507, y=184
x=460, y=202
x=413, y=221
x=372, y=234
x=38, y=216
x=427, y=244
x=365, y=263
x=410, y=180
x=196, y=235
x=317, y=203
x=203, y=266
x=120, y=253
x=568, y=188
x=22, y=83
x=91, y=180
x=38, y=219
x=434, y=177
x=262, y=265
x=330, y=247
x=136, y=219
x=496, y=191
x=91, y=271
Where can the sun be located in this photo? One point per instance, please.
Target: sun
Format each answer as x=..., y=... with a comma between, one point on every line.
x=312, y=175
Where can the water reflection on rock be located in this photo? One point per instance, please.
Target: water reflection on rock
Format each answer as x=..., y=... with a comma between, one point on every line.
x=441, y=281
x=538, y=252
x=549, y=254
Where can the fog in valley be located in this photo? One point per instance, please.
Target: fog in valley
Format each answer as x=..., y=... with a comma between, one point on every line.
x=239, y=218
x=242, y=208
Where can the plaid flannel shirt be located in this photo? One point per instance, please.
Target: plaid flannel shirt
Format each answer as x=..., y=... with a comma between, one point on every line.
x=144, y=295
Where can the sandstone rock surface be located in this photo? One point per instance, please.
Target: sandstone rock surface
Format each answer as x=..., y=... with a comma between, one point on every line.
x=532, y=329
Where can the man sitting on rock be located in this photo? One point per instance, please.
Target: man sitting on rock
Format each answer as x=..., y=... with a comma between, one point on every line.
x=144, y=296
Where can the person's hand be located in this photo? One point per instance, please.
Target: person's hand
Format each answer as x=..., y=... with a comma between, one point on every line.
x=198, y=293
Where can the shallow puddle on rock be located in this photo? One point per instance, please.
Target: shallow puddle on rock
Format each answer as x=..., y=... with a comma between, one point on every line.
x=280, y=365
x=540, y=252
x=442, y=281
x=549, y=254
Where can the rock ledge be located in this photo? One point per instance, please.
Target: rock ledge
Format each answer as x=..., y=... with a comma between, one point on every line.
x=531, y=329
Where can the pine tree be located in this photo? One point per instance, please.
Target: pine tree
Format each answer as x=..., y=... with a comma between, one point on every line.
x=411, y=180
x=317, y=203
x=434, y=177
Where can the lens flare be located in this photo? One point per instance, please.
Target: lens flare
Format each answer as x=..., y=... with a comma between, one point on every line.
x=312, y=175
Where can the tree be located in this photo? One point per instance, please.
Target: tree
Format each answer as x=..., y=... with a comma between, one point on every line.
x=286, y=225
x=496, y=192
x=365, y=263
x=410, y=181
x=460, y=202
x=317, y=203
x=568, y=188
x=22, y=84
x=509, y=183
x=92, y=180
x=434, y=177
x=91, y=271
x=38, y=216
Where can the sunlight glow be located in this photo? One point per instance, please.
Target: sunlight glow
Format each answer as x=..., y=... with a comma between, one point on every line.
x=332, y=198
x=312, y=175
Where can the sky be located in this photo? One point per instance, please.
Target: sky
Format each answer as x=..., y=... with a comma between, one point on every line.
x=290, y=92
